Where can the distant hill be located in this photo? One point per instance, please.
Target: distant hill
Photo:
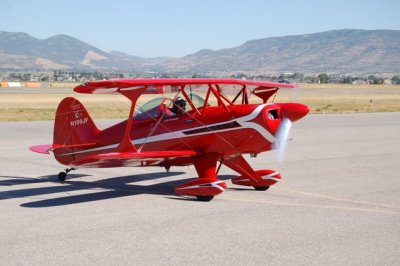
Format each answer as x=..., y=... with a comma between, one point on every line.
x=332, y=51
x=21, y=51
x=338, y=51
x=60, y=51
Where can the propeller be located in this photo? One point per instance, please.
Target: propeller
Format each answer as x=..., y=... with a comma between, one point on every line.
x=282, y=135
x=290, y=112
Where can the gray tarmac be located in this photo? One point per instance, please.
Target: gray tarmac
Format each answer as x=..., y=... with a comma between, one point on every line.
x=337, y=204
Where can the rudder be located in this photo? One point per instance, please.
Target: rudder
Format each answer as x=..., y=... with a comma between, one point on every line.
x=73, y=124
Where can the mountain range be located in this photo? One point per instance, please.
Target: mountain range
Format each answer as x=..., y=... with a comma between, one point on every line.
x=337, y=51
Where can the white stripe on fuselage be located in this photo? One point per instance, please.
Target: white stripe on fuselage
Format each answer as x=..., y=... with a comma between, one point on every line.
x=243, y=121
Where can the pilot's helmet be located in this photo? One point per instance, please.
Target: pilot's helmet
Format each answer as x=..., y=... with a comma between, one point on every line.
x=180, y=102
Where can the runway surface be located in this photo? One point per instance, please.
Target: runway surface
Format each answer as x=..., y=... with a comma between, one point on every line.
x=337, y=204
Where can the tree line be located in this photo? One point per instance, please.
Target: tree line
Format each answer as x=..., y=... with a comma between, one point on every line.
x=81, y=76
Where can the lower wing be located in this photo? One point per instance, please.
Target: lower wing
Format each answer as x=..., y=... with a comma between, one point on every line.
x=119, y=159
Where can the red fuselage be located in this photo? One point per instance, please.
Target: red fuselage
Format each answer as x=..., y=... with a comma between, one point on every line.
x=243, y=129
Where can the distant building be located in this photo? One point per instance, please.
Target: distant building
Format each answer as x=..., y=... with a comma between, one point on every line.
x=336, y=79
x=359, y=81
x=14, y=84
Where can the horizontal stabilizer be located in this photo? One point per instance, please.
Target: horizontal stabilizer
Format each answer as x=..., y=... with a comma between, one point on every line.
x=47, y=148
x=117, y=159
x=43, y=148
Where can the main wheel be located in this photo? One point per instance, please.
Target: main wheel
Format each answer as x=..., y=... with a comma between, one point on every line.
x=62, y=176
x=204, y=198
x=261, y=188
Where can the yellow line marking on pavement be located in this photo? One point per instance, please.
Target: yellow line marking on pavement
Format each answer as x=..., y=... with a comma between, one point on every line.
x=309, y=205
x=340, y=198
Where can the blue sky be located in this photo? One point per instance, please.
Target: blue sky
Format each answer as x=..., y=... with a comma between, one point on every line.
x=176, y=28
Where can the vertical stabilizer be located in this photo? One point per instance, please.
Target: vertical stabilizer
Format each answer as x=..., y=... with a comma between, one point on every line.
x=73, y=124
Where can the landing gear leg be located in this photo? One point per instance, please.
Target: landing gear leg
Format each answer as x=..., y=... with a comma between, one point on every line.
x=207, y=185
x=63, y=175
x=167, y=167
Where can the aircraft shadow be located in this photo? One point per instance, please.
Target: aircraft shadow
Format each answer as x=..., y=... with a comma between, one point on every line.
x=109, y=188
x=115, y=187
x=19, y=180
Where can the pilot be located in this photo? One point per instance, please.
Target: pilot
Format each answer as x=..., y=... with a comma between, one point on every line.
x=179, y=106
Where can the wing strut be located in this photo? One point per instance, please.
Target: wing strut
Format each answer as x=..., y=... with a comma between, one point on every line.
x=158, y=122
x=126, y=144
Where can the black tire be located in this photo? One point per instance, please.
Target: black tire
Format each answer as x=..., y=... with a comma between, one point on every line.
x=62, y=176
x=261, y=188
x=204, y=198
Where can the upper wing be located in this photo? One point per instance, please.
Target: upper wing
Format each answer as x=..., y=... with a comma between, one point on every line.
x=170, y=85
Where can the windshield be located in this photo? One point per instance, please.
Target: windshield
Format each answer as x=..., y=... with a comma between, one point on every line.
x=151, y=109
x=149, y=105
x=197, y=100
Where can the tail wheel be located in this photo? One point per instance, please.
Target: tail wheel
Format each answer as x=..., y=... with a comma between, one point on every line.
x=264, y=188
x=62, y=176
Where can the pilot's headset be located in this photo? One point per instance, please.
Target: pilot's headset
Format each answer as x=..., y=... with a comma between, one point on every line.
x=180, y=104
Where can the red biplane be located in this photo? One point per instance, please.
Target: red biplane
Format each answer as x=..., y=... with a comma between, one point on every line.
x=182, y=129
